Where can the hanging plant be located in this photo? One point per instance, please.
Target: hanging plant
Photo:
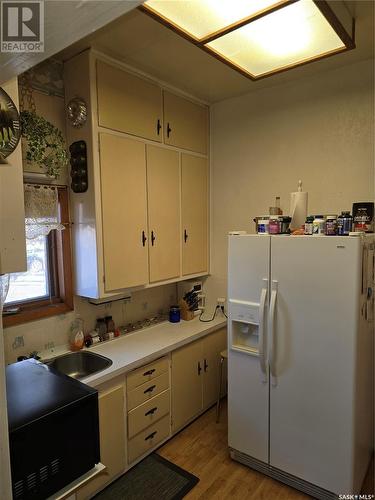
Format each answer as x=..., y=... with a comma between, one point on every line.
x=45, y=143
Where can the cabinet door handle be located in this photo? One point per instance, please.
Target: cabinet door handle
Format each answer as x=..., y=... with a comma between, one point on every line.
x=151, y=435
x=199, y=368
x=149, y=389
x=149, y=372
x=205, y=365
x=151, y=412
x=144, y=239
x=153, y=238
x=158, y=127
x=186, y=236
x=169, y=130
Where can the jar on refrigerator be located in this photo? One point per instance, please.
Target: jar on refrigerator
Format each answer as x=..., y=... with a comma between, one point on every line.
x=309, y=225
x=274, y=225
x=331, y=225
x=318, y=225
x=344, y=224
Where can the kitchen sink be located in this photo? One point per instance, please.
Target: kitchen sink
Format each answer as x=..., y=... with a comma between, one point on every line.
x=80, y=364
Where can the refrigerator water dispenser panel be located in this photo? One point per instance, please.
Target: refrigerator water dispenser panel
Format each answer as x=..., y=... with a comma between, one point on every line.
x=244, y=326
x=247, y=312
x=245, y=337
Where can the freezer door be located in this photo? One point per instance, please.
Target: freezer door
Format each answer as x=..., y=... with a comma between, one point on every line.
x=248, y=390
x=316, y=294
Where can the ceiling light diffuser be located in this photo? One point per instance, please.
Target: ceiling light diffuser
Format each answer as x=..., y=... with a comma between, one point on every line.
x=202, y=19
x=260, y=37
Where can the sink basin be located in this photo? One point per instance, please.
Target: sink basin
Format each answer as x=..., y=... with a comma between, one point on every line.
x=80, y=364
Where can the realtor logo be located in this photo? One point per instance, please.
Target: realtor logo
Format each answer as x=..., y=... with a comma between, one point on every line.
x=22, y=26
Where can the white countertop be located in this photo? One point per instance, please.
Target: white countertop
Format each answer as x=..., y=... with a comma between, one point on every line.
x=140, y=347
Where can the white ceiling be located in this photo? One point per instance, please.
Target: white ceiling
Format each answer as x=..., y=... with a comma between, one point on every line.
x=145, y=44
x=65, y=22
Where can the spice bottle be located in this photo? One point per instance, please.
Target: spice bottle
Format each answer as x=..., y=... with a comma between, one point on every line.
x=101, y=328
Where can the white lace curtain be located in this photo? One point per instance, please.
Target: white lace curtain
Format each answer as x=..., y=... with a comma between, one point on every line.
x=41, y=210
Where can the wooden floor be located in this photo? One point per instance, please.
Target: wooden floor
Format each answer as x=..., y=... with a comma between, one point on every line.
x=201, y=448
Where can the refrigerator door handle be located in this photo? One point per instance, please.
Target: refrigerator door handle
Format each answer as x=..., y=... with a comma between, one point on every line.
x=272, y=332
x=261, y=337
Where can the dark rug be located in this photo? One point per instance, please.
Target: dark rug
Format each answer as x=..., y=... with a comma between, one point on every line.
x=155, y=478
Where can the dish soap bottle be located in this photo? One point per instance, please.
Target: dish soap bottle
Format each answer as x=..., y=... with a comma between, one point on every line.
x=76, y=337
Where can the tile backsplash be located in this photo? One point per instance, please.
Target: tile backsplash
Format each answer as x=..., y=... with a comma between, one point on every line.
x=49, y=333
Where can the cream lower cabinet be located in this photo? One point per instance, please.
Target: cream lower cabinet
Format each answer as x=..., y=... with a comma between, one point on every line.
x=195, y=377
x=112, y=438
x=194, y=207
x=148, y=404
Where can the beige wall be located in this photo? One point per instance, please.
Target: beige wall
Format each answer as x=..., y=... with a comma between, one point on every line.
x=317, y=129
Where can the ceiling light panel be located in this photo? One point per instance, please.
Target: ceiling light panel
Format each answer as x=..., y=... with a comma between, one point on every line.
x=202, y=18
x=289, y=36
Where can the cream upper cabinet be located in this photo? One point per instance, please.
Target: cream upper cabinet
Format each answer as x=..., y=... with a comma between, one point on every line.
x=187, y=373
x=128, y=103
x=163, y=194
x=124, y=211
x=194, y=206
x=112, y=439
x=144, y=217
x=185, y=123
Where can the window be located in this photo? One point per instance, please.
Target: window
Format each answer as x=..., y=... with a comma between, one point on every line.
x=45, y=289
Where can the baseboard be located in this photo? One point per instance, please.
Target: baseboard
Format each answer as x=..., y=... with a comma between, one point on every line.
x=283, y=477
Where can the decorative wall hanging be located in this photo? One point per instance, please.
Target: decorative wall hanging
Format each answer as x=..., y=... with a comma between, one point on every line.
x=77, y=112
x=43, y=142
x=10, y=129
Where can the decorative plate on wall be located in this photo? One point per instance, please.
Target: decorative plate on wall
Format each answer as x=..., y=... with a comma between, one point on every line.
x=10, y=127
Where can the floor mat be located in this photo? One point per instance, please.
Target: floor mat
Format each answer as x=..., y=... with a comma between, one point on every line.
x=155, y=478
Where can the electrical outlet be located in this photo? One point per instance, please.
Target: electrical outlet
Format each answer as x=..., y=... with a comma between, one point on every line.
x=221, y=301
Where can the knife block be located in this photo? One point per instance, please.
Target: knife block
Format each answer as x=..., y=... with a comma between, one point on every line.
x=186, y=315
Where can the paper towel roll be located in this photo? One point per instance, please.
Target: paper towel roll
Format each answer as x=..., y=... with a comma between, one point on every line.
x=298, y=207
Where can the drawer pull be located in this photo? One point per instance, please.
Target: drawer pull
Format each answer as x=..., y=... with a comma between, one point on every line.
x=151, y=435
x=149, y=389
x=205, y=365
x=149, y=372
x=151, y=412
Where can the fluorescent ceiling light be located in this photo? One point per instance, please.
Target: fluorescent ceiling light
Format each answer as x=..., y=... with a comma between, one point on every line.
x=259, y=37
x=295, y=34
x=202, y=18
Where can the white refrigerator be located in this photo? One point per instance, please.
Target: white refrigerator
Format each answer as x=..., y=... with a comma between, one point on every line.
x=300, y=359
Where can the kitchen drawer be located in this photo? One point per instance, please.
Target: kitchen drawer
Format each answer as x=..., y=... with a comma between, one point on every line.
x=148, y=439
x=147, y=390
x=146, y=373
x=148, y=413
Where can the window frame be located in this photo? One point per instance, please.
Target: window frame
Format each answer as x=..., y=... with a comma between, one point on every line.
x=60, y=270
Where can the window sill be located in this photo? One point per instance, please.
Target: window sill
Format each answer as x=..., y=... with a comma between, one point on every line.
x=36, y=313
